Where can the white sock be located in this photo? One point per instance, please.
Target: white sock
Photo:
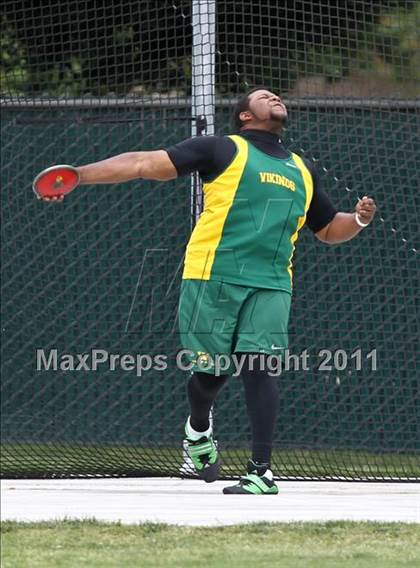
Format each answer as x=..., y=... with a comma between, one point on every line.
x=194, y=435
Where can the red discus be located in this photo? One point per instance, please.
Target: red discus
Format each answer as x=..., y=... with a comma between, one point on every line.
x=55, y=181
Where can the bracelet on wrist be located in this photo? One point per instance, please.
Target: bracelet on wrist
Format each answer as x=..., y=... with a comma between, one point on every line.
x=359, y=222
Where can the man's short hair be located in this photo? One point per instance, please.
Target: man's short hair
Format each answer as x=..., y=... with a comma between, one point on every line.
x=242, y=105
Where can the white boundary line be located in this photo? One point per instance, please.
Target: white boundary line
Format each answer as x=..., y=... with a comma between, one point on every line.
x=195, y=503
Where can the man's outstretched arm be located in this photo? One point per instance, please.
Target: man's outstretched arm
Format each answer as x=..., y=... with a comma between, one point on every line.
x=155, y=165
x=345, y=226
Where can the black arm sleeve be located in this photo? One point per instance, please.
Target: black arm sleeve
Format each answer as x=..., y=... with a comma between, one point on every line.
x=207, y=155
x=321, y=211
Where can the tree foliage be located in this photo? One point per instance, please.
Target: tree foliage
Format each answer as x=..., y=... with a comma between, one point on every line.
x=77, y=48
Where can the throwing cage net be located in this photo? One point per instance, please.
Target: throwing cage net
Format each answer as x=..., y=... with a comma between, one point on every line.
x=81, y=82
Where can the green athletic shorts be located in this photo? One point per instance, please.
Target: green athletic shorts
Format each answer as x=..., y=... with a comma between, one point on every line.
x=216, y=318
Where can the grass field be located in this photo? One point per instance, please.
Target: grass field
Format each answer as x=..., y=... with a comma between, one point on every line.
x=300, y=545
x=60, y=460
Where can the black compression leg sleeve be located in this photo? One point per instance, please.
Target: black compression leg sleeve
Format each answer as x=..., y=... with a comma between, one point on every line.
x=262, y=400
x=202, y=391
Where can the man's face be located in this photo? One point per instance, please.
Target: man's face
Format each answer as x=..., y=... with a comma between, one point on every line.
x=265, y=106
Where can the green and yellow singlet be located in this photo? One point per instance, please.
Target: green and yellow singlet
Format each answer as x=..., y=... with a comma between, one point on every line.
x=253, y=212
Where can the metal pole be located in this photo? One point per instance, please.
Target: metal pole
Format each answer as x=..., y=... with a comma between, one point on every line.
x=202, y=111
x=203, y=83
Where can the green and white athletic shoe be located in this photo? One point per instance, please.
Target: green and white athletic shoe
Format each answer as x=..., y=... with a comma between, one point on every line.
x=258, y=481
x=203, y=453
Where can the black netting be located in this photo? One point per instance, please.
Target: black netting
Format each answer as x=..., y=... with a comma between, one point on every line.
x=82, y=81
